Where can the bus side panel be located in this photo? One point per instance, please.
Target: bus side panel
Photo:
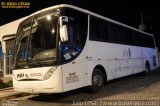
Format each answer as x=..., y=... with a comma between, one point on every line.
x=99, y=54
x=149, y=54
x=118, y=60
x=135, y=62
x=113, y=57
x=75, y=73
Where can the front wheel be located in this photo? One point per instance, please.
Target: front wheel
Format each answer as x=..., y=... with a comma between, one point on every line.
x=97, y=81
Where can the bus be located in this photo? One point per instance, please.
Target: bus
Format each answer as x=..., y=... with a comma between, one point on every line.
x=64, y=47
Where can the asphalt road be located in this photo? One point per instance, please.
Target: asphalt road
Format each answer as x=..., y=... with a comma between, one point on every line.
x=140, y=89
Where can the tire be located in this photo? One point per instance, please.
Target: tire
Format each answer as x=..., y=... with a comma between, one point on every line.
x=147, y=69
x=97, y=81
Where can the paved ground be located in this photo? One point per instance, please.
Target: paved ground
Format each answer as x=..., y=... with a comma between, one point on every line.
x=144, y=90
x=7, y=92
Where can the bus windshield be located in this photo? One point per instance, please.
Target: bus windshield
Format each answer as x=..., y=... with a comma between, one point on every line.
x=36, y=41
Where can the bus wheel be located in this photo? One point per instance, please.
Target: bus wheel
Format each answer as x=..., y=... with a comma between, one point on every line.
x=97, y=81
x=147, y=68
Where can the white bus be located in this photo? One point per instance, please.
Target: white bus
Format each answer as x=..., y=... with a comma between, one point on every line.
x=64, y=47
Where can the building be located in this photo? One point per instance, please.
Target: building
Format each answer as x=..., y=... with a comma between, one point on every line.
x=7, y=35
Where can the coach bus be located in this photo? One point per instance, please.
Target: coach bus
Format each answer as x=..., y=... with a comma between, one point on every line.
x=65, y=47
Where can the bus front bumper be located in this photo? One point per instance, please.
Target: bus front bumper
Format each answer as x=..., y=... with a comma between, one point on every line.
x=36, y=91
x=52, y=85
x=37, y=87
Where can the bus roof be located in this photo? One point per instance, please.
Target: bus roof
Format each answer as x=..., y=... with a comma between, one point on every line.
x=90, y=13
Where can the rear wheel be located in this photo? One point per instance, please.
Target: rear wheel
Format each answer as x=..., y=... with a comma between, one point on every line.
x=97, y=81
x=147, y=68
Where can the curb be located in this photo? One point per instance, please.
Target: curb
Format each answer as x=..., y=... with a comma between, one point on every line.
x=11, y=95
x=16, y=95
x=6, y=88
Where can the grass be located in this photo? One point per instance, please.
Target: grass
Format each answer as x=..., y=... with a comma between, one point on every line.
x=5, y=85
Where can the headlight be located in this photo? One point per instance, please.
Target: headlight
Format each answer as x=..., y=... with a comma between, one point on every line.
x=49, y=73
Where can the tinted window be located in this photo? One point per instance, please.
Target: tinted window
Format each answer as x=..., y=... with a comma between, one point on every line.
x=115, y=33
x=101, y=30
x=148, y=41
x=98, y=29
x=128, y=36
x=77, y=26
x=137, y=37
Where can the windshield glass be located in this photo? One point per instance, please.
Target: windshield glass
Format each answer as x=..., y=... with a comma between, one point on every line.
x=36, y=41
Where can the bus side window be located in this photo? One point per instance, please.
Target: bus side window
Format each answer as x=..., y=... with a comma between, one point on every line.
x=116, y=33
x=138, y=39
x=77, y=33
x=151, y=42
x=94, y=32
x=147, y=42
x=98, y=30
x=128, y=36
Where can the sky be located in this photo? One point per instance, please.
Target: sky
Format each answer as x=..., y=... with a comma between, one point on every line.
x=124, y=11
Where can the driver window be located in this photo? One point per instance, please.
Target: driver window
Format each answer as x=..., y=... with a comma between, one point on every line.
x=77, y=33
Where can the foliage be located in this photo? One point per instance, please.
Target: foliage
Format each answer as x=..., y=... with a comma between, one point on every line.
x=5, y=85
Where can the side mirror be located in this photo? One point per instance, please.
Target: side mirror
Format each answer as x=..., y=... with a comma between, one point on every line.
x=63, y=29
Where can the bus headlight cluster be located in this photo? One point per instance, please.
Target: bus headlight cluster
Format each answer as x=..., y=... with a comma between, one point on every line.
x=49, y=73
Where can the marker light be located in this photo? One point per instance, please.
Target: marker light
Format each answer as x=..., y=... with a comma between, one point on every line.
x=48, y=17
x=49, y=73
x=53, y=31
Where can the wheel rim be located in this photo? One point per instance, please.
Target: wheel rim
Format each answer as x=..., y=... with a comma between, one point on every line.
x=97, y=80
